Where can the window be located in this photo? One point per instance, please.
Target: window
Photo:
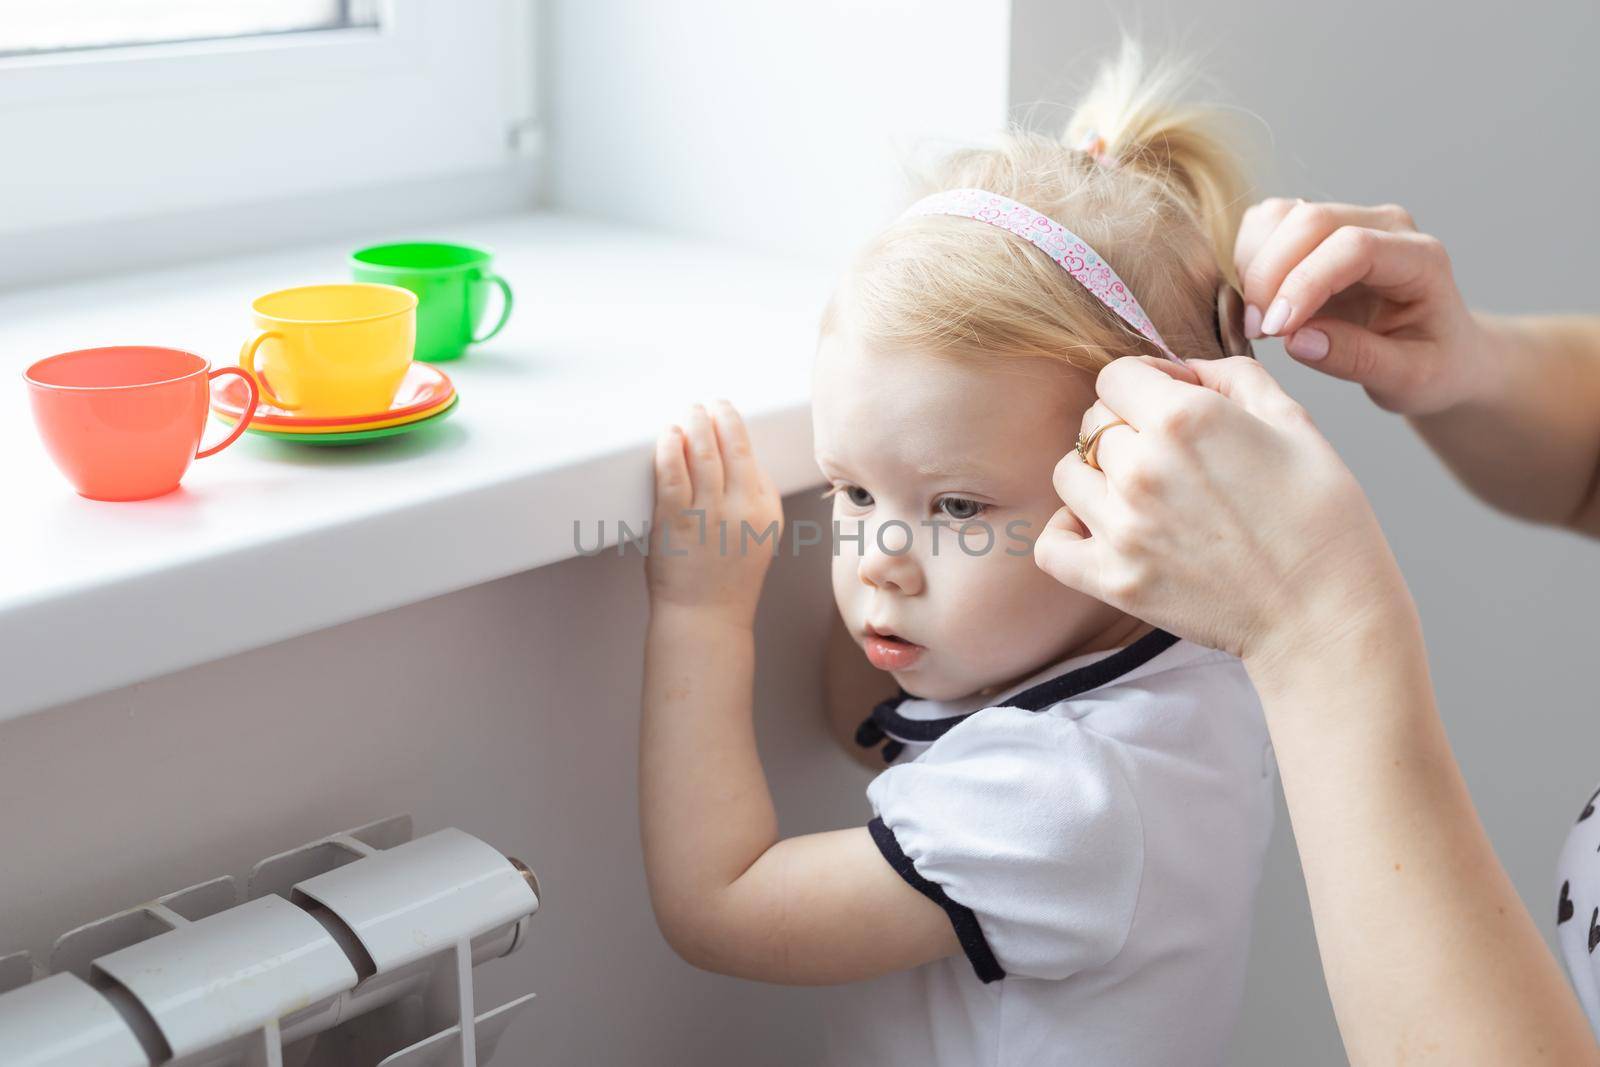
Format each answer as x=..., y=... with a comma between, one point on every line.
x=189, y=116
x=28, y=27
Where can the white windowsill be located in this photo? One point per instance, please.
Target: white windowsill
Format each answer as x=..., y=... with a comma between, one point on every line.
x=615, y=331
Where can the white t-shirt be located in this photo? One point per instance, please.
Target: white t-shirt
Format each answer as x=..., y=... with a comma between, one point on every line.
x=1096, y=835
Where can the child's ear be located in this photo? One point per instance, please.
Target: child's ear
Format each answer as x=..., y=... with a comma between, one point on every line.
x=1230, y=322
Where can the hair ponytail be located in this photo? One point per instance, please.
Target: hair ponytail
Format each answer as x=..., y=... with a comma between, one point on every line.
x=1138, y=111
x=1159, y=198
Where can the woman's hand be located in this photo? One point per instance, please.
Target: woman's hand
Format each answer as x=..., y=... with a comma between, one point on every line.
x=1219, y=513
x=1358, y=293
x=718, y=519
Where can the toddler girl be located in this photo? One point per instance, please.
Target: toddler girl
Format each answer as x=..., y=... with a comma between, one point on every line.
x=1068, y=829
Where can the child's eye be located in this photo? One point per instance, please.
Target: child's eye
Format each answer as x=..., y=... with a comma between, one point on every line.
x=853, y=493
x=858, y=496
x=961, y=509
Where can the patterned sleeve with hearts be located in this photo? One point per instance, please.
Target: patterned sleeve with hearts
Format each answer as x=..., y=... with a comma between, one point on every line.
x=1578, y=908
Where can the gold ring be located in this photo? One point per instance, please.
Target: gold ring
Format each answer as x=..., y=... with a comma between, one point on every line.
x=1086, y=445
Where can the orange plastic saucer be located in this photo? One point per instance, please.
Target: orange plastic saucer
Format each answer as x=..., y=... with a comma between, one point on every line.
x=298, y=430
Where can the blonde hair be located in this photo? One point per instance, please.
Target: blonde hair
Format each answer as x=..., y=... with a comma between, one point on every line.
x=1162, y=208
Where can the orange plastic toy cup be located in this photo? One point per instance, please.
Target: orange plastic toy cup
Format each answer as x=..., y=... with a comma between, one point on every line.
x=124, y=423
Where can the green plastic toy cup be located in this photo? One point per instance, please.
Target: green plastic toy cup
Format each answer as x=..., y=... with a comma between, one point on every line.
x=452, y=284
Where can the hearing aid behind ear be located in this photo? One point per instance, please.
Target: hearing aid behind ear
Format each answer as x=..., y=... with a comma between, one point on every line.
x=1230, y=322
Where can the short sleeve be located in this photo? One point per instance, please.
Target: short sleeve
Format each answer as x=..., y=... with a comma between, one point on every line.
x=1023, y=827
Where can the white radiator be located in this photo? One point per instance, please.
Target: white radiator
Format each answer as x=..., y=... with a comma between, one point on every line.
x=356, y=949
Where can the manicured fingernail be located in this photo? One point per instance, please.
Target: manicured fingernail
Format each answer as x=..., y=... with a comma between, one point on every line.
x=1252, y=321
x=1308, y=344
x=1277, y=315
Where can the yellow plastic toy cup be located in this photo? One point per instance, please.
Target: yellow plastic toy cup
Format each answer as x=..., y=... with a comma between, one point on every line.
x=330, y=350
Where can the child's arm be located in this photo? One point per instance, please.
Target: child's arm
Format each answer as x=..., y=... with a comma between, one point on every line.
x=851, y=687
x=728, y=895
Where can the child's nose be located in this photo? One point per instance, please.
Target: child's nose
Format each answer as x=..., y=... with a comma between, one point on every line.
x=890, y=565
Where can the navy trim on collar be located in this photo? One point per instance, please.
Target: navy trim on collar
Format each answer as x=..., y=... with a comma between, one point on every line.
x=887, y=724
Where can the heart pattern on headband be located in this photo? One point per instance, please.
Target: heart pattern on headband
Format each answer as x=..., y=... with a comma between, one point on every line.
x=1070, y=251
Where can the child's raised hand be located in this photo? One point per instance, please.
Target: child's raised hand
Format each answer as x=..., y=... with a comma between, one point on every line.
x=718, y=519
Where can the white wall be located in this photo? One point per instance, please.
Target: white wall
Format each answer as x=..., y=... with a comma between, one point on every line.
x=777, y=125
x=510, y=710
x=1478, y=120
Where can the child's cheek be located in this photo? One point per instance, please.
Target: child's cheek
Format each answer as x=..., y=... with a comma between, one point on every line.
x=978, y=596
x=1012, y=614
x=845, y=571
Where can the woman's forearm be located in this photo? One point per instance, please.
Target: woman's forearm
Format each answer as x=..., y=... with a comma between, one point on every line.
x=1430, y=956
x=705, y=810
x=1527, y=440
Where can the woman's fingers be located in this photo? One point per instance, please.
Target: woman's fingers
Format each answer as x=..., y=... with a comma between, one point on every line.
x=1111, y=452
x=1082, y=489
x=1248, y=384
x=1144, y=392
x=705, y=457
x=1257, y=225
x=1359, y=294
x=1401, y=266
x=1064, y=552
x=1170, y=367
x=1265, y=254
x=1390, y=369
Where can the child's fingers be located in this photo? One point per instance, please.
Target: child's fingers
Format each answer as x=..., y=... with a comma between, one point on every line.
x=705, y=457
x=674, y=491
x=740, y=470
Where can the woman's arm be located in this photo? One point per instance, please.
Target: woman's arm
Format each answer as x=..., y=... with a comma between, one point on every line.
x=1221, y=514
x=1528, y=441
x=1511, y=404
x=728, y=894
x=1429, y=954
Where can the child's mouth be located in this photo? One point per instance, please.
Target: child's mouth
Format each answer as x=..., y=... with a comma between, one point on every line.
x=890, y=653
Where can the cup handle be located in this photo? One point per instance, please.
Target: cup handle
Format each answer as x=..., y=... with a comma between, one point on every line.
x=247, y=360
x=505, y=307
x=249, y=412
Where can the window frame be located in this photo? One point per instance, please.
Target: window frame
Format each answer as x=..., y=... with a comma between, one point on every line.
x=181, y=66
x=56, y=107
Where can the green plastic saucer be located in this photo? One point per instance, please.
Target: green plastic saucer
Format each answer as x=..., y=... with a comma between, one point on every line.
x=350, y=437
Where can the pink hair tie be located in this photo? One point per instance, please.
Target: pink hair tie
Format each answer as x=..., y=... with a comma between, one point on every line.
x=1054, y=240
x=1095, y=146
